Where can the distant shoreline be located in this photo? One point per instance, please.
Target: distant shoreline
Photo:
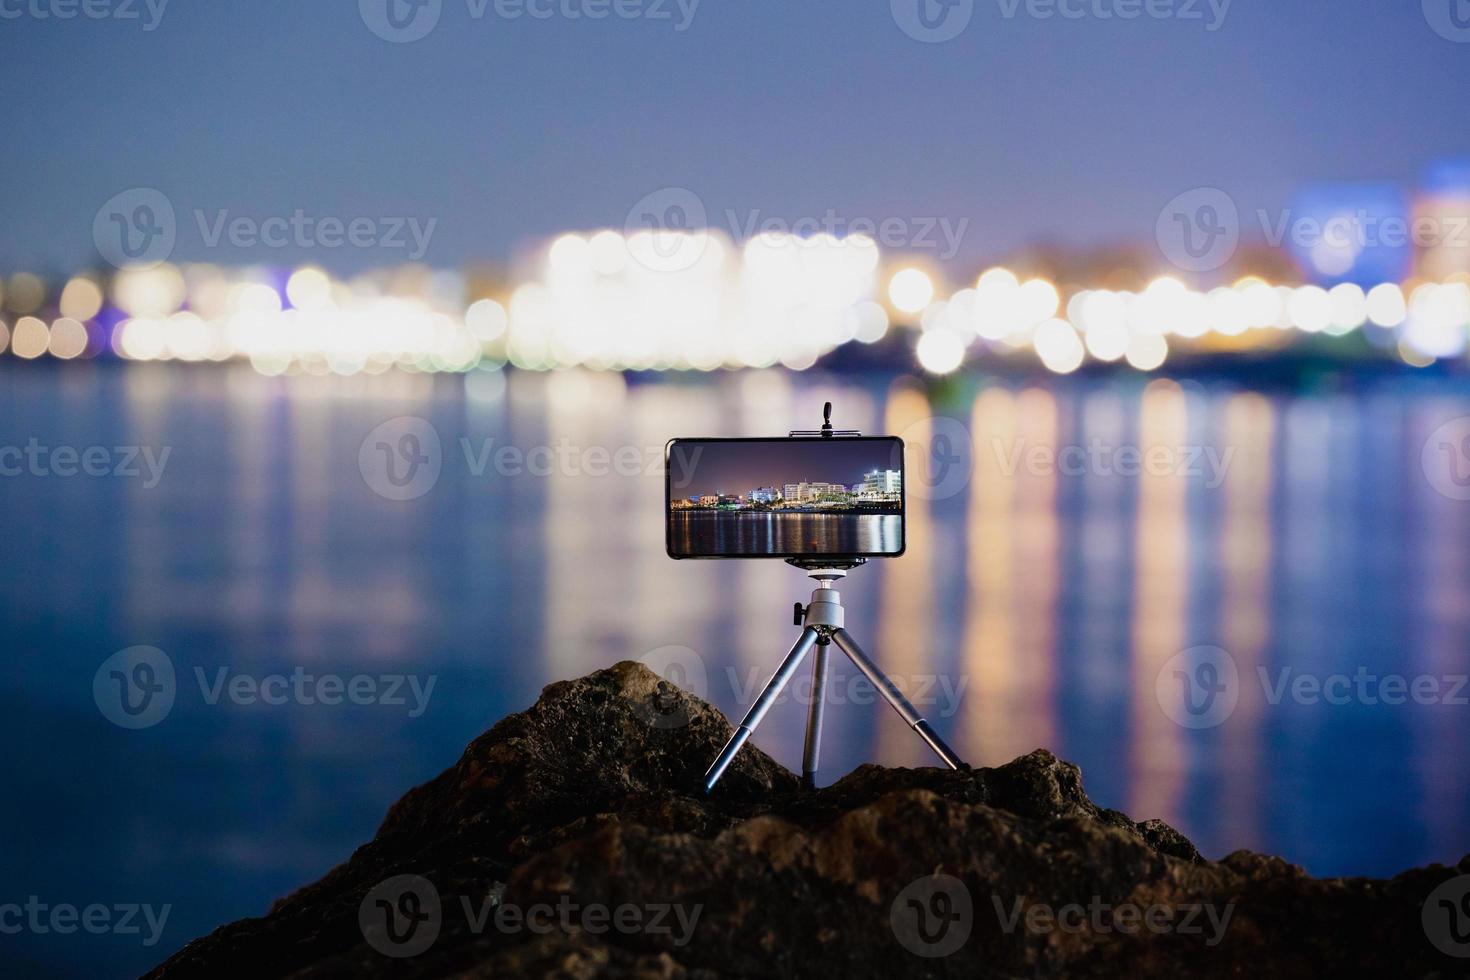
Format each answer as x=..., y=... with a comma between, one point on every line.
x=836, y=511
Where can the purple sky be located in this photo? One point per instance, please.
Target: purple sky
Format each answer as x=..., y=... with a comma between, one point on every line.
x=1027, y=128
x=739, y=467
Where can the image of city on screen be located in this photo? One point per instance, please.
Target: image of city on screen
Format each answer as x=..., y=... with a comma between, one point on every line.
x=785, y=498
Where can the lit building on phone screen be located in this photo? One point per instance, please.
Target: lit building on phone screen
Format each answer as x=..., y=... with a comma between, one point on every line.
x=881, y=485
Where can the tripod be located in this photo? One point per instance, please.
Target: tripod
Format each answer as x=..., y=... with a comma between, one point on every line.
x=822, y=626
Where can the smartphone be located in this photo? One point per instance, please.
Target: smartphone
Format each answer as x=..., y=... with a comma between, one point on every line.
x=838, y=498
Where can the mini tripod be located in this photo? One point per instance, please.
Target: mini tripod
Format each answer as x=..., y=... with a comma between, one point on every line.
x=821, y=623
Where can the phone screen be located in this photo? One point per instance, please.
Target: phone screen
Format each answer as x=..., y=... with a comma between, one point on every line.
x=837, y=497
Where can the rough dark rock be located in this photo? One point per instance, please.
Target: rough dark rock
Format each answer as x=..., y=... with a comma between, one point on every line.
x=590, y=800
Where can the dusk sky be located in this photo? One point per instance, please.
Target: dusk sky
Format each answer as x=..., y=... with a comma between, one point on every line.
x=739, y=467
x=505, y=131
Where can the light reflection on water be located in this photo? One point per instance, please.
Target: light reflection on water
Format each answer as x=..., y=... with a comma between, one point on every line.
x=1037, y=605
x=734, y=534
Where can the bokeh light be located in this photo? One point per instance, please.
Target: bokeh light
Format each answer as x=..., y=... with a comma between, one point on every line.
x=911, y=290
x=1059, y=347
x=68, y=339
x=588, y=300
x=25, y=293
x=940, y=351
x=30, y=338
x=487, y=320
x=81, y=299
x=1386, y=305
x=1147, y=352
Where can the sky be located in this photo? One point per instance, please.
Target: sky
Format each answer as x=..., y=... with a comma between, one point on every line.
x=700, y=467
x=504, y=130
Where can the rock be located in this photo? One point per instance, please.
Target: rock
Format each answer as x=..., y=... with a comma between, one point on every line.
x=572, y=840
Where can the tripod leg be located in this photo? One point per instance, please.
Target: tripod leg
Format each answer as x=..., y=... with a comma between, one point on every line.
x=895, y=697
x=812, y=751
x=762, y=705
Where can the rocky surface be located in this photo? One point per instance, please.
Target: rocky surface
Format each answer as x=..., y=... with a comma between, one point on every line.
x=572, y=840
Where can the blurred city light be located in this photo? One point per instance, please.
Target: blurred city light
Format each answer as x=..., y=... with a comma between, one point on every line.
x=658, y=301
x=940, y=351
x=911, y=290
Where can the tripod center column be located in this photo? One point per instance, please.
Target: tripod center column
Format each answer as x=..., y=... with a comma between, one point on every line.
x=825, y=611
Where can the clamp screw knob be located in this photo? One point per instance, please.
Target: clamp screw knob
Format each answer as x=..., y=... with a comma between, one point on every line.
x=798, y=615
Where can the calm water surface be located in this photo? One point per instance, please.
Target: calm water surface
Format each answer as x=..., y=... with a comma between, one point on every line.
x=735, y=533
x=1056, y=568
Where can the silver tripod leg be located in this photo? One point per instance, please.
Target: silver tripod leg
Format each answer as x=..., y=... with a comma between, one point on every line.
x=762, y=705
x=895, y=697
x=811, y=755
